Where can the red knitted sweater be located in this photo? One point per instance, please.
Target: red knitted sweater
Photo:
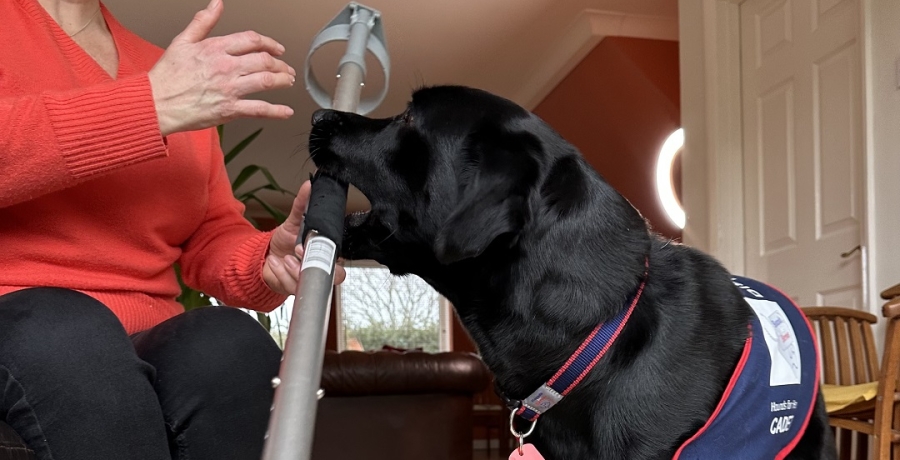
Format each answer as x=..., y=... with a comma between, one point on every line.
x=92, y=197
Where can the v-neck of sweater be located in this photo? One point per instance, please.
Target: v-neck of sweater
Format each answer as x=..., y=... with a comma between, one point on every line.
x=82, y=62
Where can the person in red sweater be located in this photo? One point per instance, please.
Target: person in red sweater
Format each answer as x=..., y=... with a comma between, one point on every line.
x=110, y=174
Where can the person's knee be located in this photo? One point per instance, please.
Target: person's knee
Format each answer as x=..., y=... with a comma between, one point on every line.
x=218, y=345
x=53, y=326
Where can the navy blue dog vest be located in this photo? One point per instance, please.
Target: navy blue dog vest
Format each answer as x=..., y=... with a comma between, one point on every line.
x=772, y=392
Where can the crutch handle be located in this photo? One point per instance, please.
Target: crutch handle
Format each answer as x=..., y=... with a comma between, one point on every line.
x=291, y=423
x=325, y=213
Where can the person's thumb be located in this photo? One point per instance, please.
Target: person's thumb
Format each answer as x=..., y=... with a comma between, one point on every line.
x=202, y=24
x=298, y=209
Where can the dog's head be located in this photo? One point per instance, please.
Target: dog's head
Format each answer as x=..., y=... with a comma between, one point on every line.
x=457, y=175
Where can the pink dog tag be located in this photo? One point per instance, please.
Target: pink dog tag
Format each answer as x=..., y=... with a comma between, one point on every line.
x=529, y=452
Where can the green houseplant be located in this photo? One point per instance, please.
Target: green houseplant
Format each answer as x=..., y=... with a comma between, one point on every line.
x=192, y=298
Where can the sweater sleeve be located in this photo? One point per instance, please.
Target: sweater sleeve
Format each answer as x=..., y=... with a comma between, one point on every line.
x=53, y=140
x=225, y=256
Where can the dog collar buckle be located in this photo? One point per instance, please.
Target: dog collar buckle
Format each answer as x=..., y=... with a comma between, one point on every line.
x=511, y=404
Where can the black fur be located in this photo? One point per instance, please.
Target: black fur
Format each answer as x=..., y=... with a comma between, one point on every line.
x=503, y=217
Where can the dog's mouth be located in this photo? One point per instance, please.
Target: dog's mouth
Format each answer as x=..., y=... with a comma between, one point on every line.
x=359, y=226
x=359, y=218
x=356, y=219
x=329, y=163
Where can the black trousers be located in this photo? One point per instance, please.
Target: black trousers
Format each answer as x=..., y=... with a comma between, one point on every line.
x=76, y=387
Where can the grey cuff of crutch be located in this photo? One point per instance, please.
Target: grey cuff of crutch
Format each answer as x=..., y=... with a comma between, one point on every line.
x=340, y=29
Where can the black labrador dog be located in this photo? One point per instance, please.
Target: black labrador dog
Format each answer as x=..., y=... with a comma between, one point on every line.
x=485, y=202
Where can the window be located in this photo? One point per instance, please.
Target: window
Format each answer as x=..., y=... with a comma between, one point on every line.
x=375, y=308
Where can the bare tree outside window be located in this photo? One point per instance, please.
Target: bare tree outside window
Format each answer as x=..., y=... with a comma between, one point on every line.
x=380, y=309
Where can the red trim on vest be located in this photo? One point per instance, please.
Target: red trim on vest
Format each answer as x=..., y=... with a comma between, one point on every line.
x=735, y=375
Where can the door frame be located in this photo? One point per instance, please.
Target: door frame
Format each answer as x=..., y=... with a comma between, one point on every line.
x=712, y=163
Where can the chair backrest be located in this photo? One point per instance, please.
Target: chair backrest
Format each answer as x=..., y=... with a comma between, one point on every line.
x=891, y=292
x=846, y=344
x=887, y=415
x=890, y=362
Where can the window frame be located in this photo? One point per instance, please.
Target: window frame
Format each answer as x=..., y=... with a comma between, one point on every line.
x=445, y=312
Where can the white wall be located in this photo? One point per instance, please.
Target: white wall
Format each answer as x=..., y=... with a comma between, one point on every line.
x=882, y=29
x=694, y=176
x=711, y=176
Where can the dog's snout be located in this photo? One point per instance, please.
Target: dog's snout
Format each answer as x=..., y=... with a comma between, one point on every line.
x=322, y=115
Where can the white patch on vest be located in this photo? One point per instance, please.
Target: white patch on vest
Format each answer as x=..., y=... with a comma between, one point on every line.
x=781, y=341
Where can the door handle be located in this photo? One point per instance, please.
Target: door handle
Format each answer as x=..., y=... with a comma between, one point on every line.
x=849, y=253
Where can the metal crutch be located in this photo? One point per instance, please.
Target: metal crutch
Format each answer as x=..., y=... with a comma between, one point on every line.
x=292, y=421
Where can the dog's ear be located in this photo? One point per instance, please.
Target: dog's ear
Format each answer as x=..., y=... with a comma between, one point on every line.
x=499, y=171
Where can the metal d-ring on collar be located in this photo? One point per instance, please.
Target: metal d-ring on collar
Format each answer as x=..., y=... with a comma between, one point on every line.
x=520, y=436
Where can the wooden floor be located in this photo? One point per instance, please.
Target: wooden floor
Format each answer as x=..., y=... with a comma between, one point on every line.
x=483, y=455
x=495, y=455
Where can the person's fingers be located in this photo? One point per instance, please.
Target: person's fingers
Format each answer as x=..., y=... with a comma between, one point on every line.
x=202, y=24
x=263, y=81
x=290, y=275
x=293, y=265
x=339, y=274
x=248, y=42
x=280, y=279
x=258, y=109
x=303, y=193
x=252, y=63
x=272, y=263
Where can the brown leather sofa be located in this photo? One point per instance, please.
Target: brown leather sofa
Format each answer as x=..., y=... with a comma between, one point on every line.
x=398, y=406
x=11, y=445
x=379, y=406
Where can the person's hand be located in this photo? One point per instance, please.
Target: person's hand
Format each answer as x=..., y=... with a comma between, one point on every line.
x=199, y=82
x=282, y=269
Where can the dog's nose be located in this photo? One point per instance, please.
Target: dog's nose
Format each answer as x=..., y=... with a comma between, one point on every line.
x=322, y=115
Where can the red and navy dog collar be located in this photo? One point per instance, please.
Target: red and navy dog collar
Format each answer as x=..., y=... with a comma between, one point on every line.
x=577, y=367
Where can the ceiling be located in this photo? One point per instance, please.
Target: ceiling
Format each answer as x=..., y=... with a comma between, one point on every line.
x=517, y=49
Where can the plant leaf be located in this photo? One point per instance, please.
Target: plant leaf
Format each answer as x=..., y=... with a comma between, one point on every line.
x=249, y=171
x=245, y=174
x=275, y=213
x=271, y=178
x=221, y=130
x=241, y=146
x=246, y=194
x=264, y=320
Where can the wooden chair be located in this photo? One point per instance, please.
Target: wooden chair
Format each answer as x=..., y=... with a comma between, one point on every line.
x=849, y=357
x=886, y=424
x=11, y=445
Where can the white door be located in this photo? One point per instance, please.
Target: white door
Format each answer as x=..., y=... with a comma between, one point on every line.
x=803, y=147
